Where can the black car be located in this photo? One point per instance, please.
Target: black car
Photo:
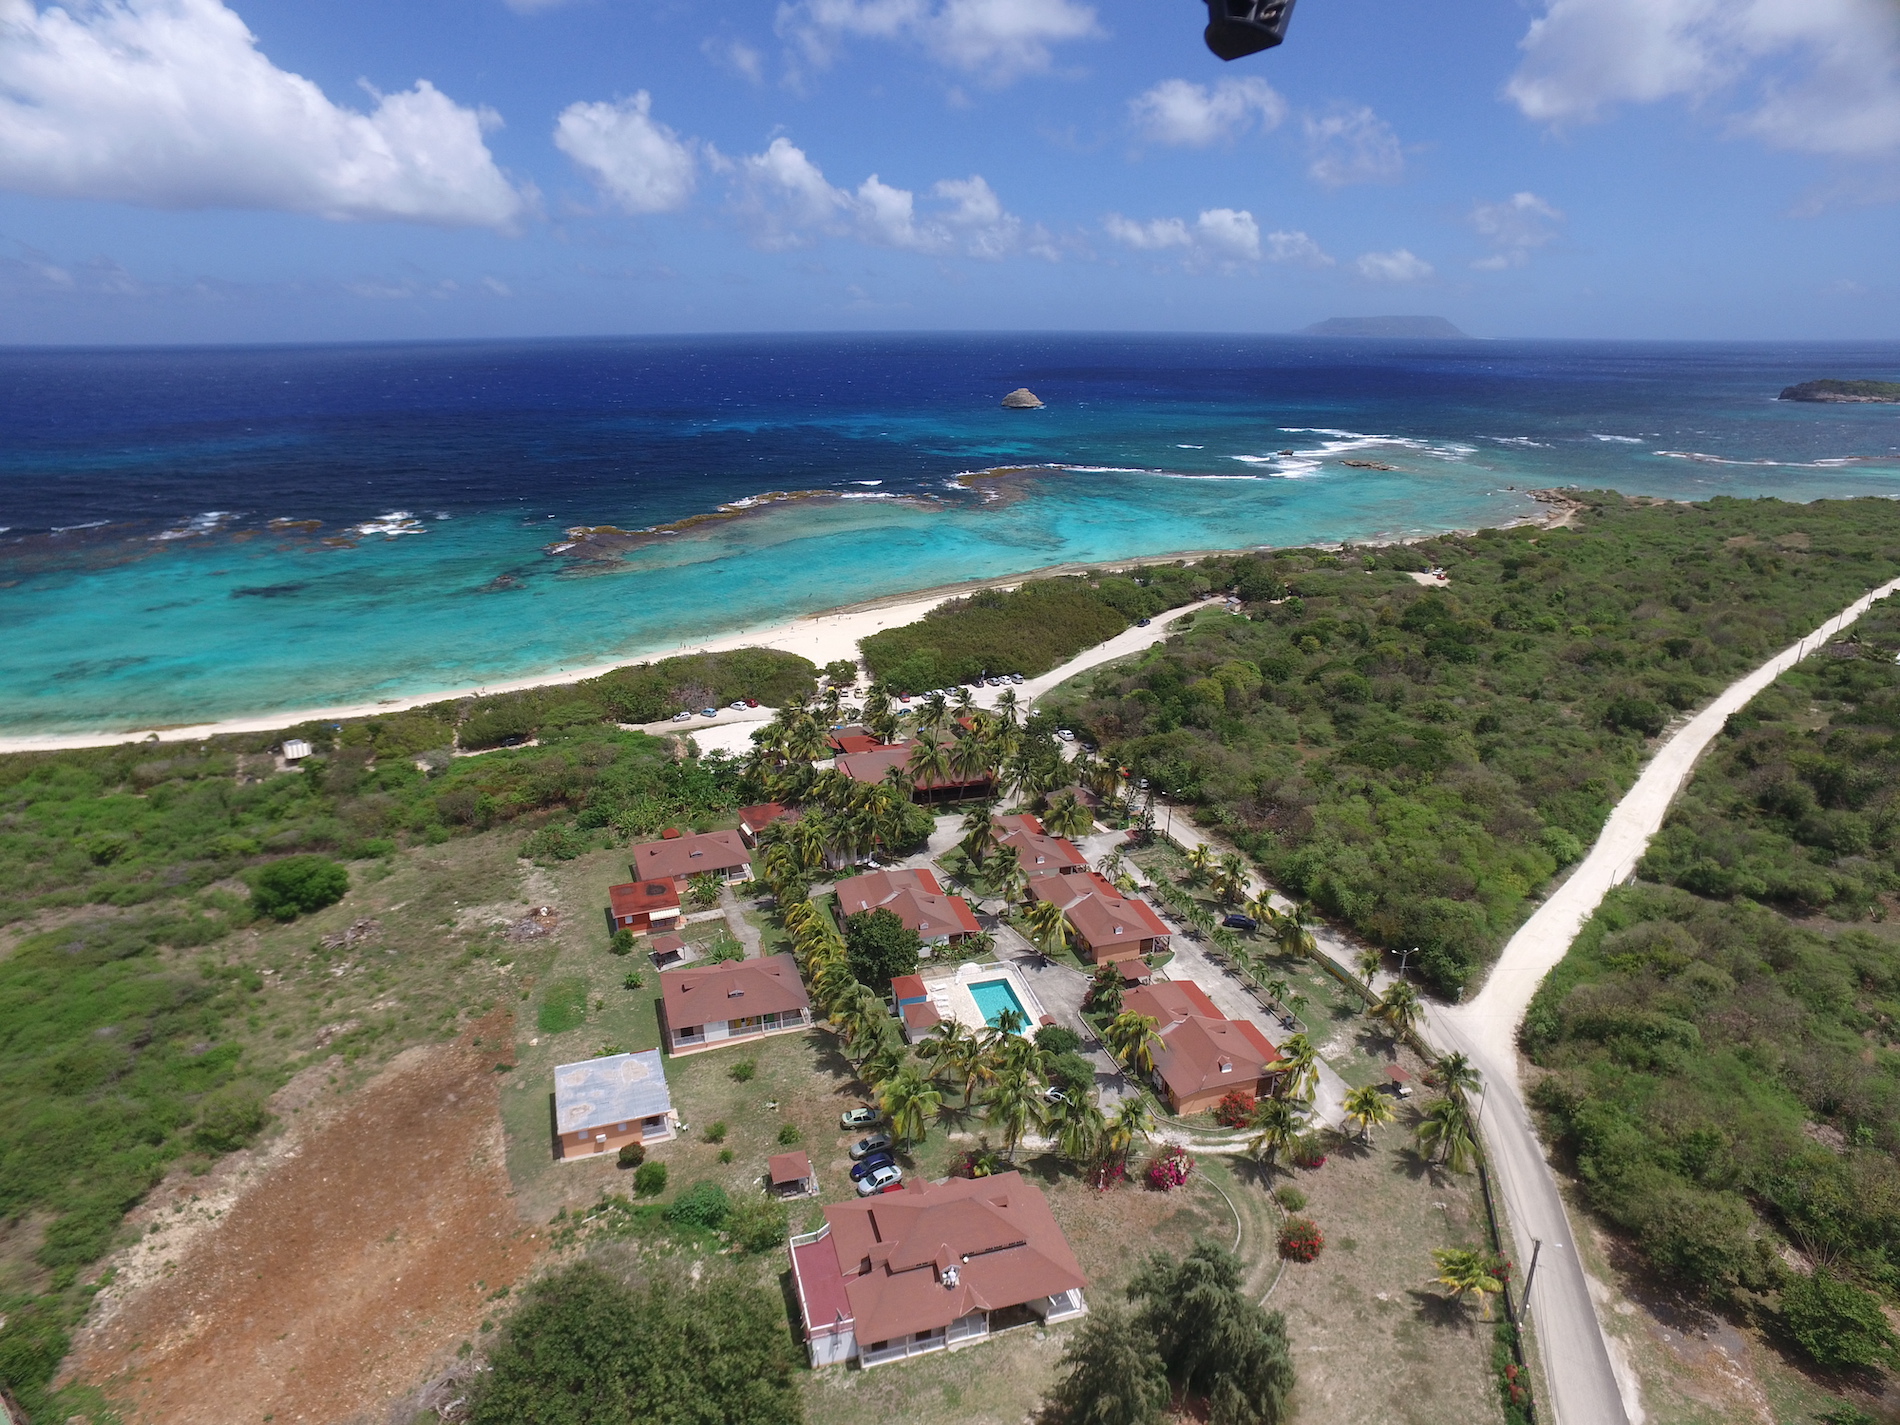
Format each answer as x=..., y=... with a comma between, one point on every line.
x=1237, y=921
x=1143, y=623
x=871, y=1165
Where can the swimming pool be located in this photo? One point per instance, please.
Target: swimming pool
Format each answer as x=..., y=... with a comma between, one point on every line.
x=993, y=997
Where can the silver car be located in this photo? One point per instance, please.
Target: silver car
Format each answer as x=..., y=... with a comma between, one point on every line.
x=874, y=1143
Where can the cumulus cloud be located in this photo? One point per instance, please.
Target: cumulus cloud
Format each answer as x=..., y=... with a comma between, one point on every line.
x=1195, y=115
x=1397, y=265
x=738, y=56
x=1352, y=146
x=1514, y=227
x=788, y=202
x=171, y=104
x=1821, y=76
x=1219, y=236
x=636, y=161
x=995, y=40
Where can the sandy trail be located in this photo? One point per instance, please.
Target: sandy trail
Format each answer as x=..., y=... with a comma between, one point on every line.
x=350, y=1271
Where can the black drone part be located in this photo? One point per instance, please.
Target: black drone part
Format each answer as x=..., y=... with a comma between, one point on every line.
x=1242, y=27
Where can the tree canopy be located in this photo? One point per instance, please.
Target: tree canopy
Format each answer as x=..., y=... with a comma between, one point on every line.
x=879, y=947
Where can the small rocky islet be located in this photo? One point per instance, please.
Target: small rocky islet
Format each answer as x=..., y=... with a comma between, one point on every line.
x=1854, y=392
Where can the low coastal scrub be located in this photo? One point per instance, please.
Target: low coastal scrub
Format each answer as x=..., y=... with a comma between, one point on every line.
x=1420, y=761
x=1028, y=630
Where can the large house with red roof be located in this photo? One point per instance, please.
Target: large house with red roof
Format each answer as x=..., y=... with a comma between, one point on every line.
x=1203, y=1056
x=1036, y=851
x=678, y=858
x=873, y=763
x=932, y=1267
x=705, y=1006
x=1105, y=926
x=915, y=898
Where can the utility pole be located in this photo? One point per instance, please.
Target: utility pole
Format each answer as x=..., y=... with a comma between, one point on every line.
x=1537, y=1245
x=1405, y=955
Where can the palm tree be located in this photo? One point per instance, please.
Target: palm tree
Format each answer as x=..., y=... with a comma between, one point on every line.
x=1466, y=1273
x=979, y=834
x=1078, y=1126
x=1400, y=1008
x=1008, y=707
x=1368, y=1108
x=1105, y=989
x=1231, y=880
x=1276, y=1125
x=1200, y=863
x=1068, y=817
x=1455, y=1075
x=805, y=741
x=928, y=763
x=1049, y=926
x=964, y=699
x=970, y=759
x=1012, y=882
x=1261, y=907
x=1298, y=1068
x=860, y=1016
x=1369, y=962
x=1131, y=1121
x=1444, y=1134
x=912, y=1101
x=1113, y=864
x=886, y=1059
x=1012, y=1105
x=1290, y=929
x=1130, y=1037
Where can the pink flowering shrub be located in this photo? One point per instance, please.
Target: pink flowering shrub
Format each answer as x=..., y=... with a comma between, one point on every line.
x=1169, y=1169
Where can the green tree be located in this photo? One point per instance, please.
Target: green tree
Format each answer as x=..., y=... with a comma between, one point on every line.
x=1131, y=1121
x=1048, y=926
x=1292, y=932
x=1465, y=1273
x=1400, y=1008
x=879, y=947
x=297, y=885
x=1297, y=1073
x=1077, y=1123
x=1214, y=1339
x=1836, y=1323
x=1113, y=1375
x=1444, y=1134
x=703, y=889
x=1012, y=1105
x=1130, y=1037
x=1105, y=989
x=1276, y=1124
x=1369, y=962
x=911, y=1101
x=1068, y=817
x=1455, y=1075
x=1368, y=1107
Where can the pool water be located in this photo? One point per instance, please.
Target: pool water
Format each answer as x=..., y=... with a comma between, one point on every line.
x=993, y=997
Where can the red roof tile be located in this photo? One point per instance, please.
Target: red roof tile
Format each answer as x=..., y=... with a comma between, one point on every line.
x=788, y=1168
x=732, y=989
x=720, y=851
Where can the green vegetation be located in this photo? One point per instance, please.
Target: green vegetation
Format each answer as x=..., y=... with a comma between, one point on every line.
x=1028, y=630
x=879, y=947
x=297, y=885
x=583, y=1349
x=563, y=1005
x=1827, y=388
x=1418, y=762
x=1728, y=1077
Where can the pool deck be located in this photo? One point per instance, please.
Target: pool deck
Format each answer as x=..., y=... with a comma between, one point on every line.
x=951, y=994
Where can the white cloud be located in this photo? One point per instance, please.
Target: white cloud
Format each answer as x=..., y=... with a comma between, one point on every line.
x=1219, y=237
x=737, y=56
x=1514, y=227
x=1397, y=265
x=169, y=103
x=789, y=203
x=1352, y=146
x=641, y=164
x=996, y=40
x=1195, y=115
x=1822, y=76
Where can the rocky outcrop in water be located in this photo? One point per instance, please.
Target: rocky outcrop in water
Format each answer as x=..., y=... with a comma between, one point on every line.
x=1022, y=399
x=1886, y=393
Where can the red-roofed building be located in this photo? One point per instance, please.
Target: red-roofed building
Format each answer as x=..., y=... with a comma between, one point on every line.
x=705, y=1007
x=753, y=820
x=852, y=739
x=1201, y=1060
x=1104, y=925
x=915, y=898
x=678, y=858
x=645, y=905
x=871, y=765
x=1040, y=854
x=933, y=1267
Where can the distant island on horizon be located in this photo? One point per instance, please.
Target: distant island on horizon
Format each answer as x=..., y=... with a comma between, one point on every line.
x=1423, y=328
x=1874, y=392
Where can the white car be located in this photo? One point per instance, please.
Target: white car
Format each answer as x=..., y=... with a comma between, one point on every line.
x=738, y=705
x=878, y=1179
x=682, y=717
x=1066, y=735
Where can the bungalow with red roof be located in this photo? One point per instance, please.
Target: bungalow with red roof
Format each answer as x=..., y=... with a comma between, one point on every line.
x=641, y=906
x=915, y=898
x=872, y=765
x=932, y=1267
x=704, y=1007
x=679, y=858
x=754, y=819
x=1104, y=925
x=1037, y=852
x=1202, y=1056
x=852, y=739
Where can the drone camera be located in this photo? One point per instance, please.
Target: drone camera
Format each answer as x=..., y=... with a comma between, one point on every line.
x=1242, y=27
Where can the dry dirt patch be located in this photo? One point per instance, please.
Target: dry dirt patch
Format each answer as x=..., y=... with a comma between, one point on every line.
x=349, y=1269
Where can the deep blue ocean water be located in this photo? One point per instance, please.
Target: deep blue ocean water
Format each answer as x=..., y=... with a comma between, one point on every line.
x=143, y=580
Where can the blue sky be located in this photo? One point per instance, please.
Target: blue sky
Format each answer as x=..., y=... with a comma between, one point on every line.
x=259, y=170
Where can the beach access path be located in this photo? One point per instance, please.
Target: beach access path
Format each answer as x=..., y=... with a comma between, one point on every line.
x=1587, y=1383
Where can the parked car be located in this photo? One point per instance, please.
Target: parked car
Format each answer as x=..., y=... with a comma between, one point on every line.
x=1015, y=677
x=709, y=712
x=858, y=1118
x=1053, y=1094
x=737, y=704
x=1143, y=622
x=874, y=1143
x=861, y=1171
x=682, y=716
x=881, y=1180
x=1237, y=921
x=1065, y=734
x=752, y=702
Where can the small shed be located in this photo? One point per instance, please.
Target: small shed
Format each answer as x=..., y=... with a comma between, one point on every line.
x=791, y=1175
x=667, y=951
x=295, y=749
x=1400, y=1079
x=920, y=1017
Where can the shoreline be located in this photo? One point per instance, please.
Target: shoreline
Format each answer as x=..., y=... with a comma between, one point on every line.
x=822, y=637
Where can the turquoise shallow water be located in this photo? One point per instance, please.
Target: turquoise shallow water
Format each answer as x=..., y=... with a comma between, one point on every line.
x=993, y=997
x=181, y=604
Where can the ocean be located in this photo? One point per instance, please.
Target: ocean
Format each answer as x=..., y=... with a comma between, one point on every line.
x=195, y=534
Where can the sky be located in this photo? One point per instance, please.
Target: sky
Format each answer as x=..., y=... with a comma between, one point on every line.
x=288, y=170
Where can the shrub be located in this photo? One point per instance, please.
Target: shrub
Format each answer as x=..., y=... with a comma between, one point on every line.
x=1301, y=1240
x=788, y=1134
x=725, y=1155
x=742, y=1072
x=635, y=980
x=1170, y=1169
x=1636, y=715
x=716, y=1131
x=557, y=841
x=649, y=1179
x=632, y=1155
x=1290, y=1197
x=758, y=1224
x=622, y=943
x=1309, y=1151
x=704, y=1205
x=1235, y=1110
x=1058, y=1039
x=297, y=885
x=1836, y=1323
x=228, y=1121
